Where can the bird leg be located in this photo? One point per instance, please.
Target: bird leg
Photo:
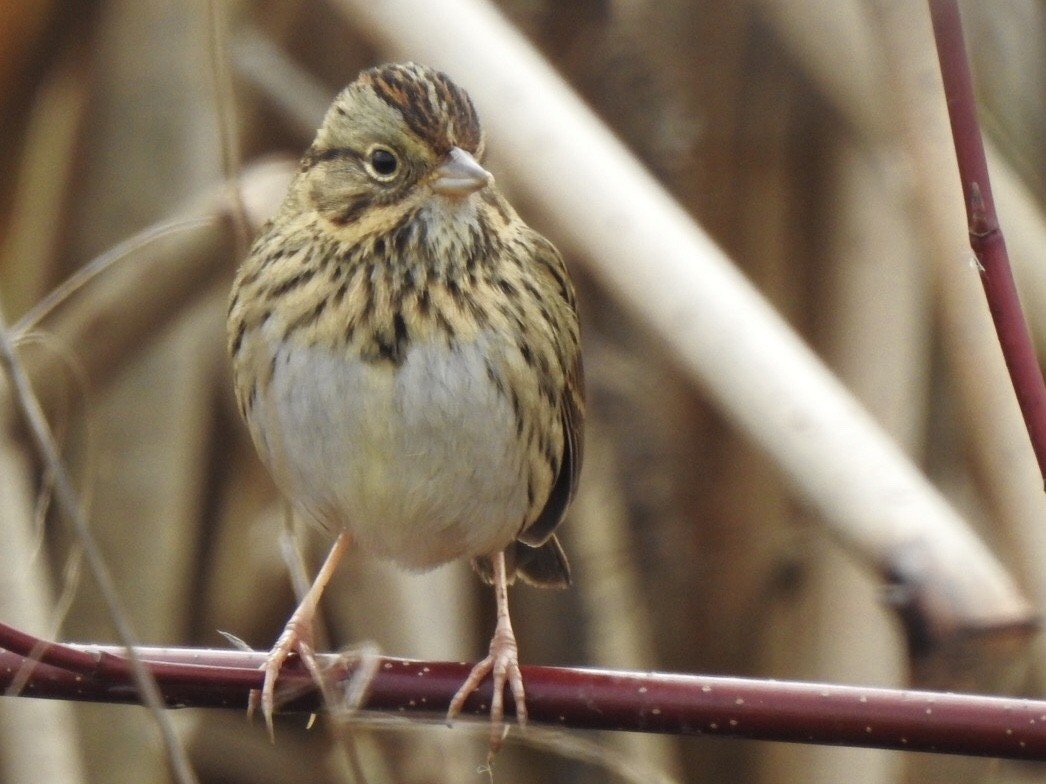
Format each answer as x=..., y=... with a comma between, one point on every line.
x=297, y=635
x=502, y=661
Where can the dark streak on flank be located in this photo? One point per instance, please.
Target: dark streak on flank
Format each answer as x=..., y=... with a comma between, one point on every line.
x=543, y=310
x=247, y=403
x=340, y=293
x=306, y=318
x=546, y=256
x=545, y=447
x=507, y=288
x=547, y=389
x=532, y=290
x=526, y=353
x=517, y=411
x=446, y=326
x=495, y=378
x=507, y=312
x=246, y=280
x=292, y=282
x=274, y=256
x=237, y=341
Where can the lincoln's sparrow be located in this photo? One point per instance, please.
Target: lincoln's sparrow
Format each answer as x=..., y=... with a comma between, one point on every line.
x=406, y=355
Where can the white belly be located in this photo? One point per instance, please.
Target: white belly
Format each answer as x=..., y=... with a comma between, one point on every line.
x=419, y=463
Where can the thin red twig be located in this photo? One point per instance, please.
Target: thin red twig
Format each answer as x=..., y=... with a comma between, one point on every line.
x=986, y=238
x=575, y=698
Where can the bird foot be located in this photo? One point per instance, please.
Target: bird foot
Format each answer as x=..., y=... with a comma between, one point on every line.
x=503, y=662
x=296, y=638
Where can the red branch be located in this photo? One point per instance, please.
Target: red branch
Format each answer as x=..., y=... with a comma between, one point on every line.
x=986, y=237
x=575, y=698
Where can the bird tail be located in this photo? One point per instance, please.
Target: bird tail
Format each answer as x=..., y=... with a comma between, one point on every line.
x=544, y=566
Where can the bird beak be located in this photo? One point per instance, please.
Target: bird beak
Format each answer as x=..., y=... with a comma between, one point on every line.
x=460, y=174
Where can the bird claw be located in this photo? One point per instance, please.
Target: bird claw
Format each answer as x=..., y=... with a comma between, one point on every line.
x=503, y=663
x=296, y=638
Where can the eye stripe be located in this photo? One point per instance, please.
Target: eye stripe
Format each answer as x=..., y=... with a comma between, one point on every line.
x=316, y=155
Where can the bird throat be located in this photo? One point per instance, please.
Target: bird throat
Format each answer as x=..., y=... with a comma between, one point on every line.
x=422, y=279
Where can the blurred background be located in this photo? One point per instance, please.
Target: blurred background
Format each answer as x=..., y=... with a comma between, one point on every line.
x=808, y=138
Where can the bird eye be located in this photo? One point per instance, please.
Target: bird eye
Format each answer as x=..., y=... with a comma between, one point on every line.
x=382, y=163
